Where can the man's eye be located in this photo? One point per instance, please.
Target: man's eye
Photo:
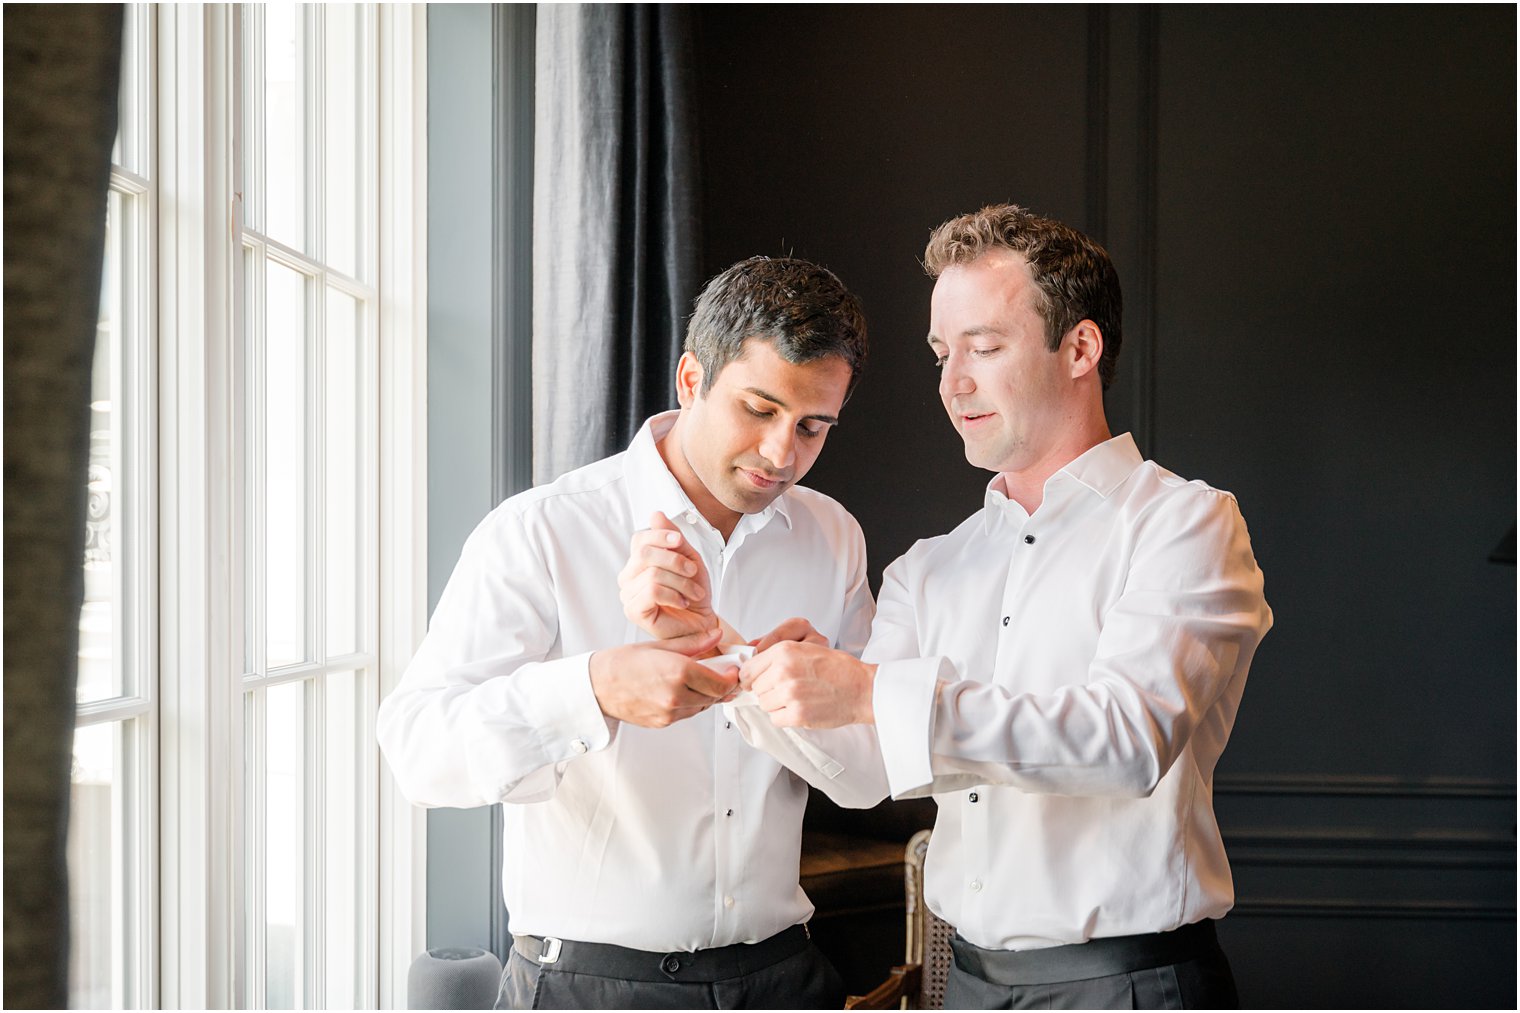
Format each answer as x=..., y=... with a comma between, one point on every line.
x=985, y=352
x=810, y=433
x=756, y=412
x=939, y=361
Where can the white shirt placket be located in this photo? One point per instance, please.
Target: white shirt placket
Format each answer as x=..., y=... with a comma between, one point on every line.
x=728, y=813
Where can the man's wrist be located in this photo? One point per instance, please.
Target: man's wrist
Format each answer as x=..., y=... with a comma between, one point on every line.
x=865, y=711
x=596, y=668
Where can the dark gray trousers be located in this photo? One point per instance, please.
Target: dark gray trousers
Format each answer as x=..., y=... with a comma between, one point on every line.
x=804, y=979
x=1074, y=977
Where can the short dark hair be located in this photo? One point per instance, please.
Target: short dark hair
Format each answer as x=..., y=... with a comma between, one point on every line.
x=801, y=309
x=1076, y=279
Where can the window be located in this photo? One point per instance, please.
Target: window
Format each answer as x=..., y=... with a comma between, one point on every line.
x=254, y=546
x=308, y=471
x=111, y=845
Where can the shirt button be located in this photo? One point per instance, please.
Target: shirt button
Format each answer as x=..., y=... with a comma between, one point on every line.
x=1029, y=539
x=728, y=902
x=728, y=812
x=1005, y=620
x=691, y=518
x=728, y=724
x=974, y=796
x=976, y=885
x=578, y=746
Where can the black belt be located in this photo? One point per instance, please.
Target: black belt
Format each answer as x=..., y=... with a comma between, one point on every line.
x=608, y=961
x=1095, y=958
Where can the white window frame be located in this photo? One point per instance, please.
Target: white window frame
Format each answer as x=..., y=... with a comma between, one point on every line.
x=202, y=522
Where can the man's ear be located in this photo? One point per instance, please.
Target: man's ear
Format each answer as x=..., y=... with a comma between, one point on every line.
x=1084, y=343
x=688, y=379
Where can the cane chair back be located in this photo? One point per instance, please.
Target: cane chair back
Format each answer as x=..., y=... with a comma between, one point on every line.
x=919, y=982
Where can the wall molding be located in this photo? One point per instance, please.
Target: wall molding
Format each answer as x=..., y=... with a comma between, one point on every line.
x=1099, y=33
x=1366, y=786
x=1147, y=173
x=1121, y=176
x=1433, y=910
x=1474, y=851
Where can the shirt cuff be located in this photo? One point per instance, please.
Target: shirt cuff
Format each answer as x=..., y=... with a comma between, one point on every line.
x=903, y=701
x=562, y=713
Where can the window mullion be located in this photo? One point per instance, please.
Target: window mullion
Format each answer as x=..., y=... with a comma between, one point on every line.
x=198, y=742
x=126, y=181
x=397, y=268
x=316, y=219
x=307, y=670
x=290, y=257
x=105, y=711
x=316, y=458
x=315, y=827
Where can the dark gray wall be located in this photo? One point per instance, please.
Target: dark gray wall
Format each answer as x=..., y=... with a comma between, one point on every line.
x=1312, y=211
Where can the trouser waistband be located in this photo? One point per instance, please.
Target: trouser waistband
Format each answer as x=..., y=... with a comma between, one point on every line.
x=1095, y=958
x=718, y=964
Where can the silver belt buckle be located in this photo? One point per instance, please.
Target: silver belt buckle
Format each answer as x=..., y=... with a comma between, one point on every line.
x=549, y=952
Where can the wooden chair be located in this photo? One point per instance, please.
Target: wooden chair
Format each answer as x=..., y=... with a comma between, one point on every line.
x=919, y=983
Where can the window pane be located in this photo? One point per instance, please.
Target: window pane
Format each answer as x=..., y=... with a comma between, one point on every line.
x=285, y=465
x=284, y=844
x=343, y=846
x=341, y=136
x=285, y=123
x=105, y=668
x=130, y=150
x=102, y=829
x=345, y=522
x=99, y=673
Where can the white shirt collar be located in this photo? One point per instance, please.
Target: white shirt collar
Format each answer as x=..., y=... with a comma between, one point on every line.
x=1102, y=469
x=652, y=487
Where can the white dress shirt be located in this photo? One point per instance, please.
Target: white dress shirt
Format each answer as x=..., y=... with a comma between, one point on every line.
x=672, y=839
x=1063, y=684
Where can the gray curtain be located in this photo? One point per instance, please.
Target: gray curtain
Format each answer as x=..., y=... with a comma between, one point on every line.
x=615, y=230
x=61, y=79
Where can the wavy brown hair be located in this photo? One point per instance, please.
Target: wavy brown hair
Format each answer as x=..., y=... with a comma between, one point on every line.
x=1075, y=278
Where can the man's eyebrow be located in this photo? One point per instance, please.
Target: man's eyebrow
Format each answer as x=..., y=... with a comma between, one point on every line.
x=975, y=331
x=830, y=419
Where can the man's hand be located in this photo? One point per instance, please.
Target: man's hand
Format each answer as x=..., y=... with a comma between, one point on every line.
x=658, y=684
x=664, y=588
x=802, y=684
x=792, y=629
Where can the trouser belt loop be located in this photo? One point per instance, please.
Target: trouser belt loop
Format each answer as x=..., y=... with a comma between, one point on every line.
x=548, y=951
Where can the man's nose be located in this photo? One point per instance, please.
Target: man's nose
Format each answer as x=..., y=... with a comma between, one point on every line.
x=953, y=378
x=779, y=447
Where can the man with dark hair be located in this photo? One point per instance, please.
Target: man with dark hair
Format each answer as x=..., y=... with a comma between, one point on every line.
x=1061, y=671
x=651, y=855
